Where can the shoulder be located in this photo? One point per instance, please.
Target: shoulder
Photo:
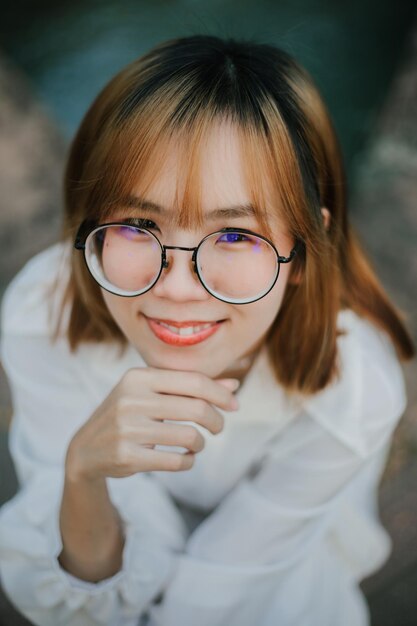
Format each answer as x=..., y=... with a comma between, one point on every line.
x=364, y=404
x=364, y=344
x=28, y=315
x=25, y=306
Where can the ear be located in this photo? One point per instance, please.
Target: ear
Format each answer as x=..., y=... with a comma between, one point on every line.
x=326, y=217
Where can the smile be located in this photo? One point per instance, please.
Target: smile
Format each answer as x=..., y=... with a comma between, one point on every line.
x=183, y=333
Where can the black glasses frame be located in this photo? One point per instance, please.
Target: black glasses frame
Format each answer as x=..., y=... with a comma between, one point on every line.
x=88, y=226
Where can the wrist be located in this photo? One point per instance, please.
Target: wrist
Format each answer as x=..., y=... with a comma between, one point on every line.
x=75, y=473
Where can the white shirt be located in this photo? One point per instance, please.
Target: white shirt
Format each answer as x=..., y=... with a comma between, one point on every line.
x=275, y=524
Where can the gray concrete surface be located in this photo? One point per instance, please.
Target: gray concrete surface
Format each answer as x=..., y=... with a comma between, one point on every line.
x=31, y=162
x=32, y=154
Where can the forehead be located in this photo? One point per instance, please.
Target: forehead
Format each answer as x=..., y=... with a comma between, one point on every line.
x=193, y=181
x=216, y=168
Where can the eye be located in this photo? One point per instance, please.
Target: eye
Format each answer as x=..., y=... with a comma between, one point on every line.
x=139, y=222
x=233, y=238
x=130, y=232
x=142, y=222
x=134, y=229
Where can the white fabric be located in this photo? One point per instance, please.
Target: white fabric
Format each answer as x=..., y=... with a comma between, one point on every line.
x=276, y=522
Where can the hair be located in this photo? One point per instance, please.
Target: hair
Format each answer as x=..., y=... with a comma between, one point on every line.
x=175, y=93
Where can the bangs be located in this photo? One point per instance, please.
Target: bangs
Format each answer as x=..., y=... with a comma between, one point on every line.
x=136, y=157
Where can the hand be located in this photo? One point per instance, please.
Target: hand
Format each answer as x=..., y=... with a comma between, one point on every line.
x=119, y=438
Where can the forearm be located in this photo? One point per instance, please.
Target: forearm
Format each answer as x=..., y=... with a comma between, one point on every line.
x=91, y=530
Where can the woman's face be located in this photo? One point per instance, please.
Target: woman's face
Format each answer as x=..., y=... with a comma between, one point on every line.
x=178, y=296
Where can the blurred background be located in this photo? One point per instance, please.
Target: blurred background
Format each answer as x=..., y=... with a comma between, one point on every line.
x=56, y=56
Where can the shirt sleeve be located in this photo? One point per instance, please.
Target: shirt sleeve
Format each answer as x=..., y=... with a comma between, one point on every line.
x=265, y=540
x=49, y=405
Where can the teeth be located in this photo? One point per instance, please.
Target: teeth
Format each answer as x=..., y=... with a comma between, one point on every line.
x=185, y=331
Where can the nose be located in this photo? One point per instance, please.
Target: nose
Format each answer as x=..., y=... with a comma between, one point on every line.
x=179, y=281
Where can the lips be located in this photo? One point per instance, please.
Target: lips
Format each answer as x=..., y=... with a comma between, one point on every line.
x=185, y=333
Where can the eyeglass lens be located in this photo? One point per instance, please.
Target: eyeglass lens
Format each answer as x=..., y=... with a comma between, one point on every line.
x=233, y=266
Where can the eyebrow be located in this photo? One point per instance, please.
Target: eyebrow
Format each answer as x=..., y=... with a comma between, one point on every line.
x=230, y=212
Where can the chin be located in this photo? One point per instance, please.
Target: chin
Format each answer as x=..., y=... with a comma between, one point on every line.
x=181, y=359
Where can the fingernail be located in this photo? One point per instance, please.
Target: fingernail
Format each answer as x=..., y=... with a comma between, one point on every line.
x=234, y=383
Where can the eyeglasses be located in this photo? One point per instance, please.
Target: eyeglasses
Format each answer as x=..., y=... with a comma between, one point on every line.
x=234, y=265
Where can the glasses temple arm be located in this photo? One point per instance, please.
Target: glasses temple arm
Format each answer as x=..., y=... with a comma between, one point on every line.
x=82, y=233
x=287, y=259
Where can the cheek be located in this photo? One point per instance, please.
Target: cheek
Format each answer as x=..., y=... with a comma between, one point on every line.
x=118, y=307
x=130, y=262
x=265, y=310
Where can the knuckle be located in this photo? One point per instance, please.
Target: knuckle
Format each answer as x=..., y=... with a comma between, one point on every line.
x=133, y=374
x=190, y=461
x=205, y=414
x=200, y=382
x=219, y=423
x=192, y=438
x=176, y=462
x=129, y=376
x=201, y=408
x=122, y=428
x=187, y=461
x=121, y=456
x=121, y=404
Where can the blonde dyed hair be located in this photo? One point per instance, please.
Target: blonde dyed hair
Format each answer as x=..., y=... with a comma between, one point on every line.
x=175, y=93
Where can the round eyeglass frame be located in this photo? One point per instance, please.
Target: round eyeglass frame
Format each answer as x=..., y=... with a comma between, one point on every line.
x=89, y=227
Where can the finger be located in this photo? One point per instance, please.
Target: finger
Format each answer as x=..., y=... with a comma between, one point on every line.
x=164, y=407
x=231, y=383
x=166, y=461
x=174, y=435
x=191, y=384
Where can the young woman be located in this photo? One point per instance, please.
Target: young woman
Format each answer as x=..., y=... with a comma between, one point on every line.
x=205, y=370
